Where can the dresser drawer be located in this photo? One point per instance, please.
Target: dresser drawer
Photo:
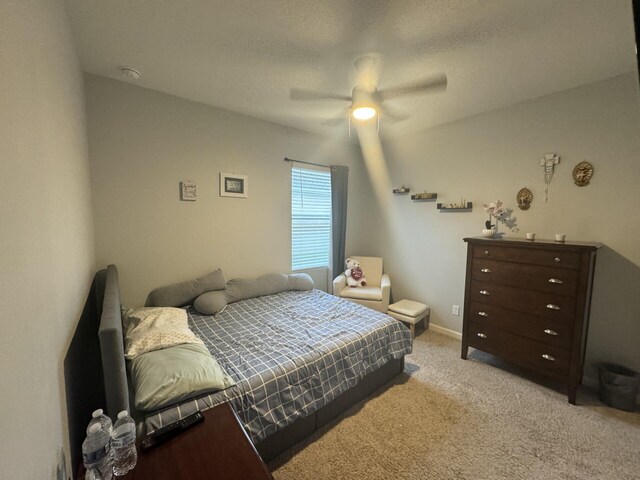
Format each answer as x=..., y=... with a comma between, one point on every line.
x=548, y=257
x=546, y=279
x=548, y=305
x=536, y=328
x=528, y=353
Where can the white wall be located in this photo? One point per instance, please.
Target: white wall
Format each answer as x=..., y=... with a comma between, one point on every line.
x=493, y=155
x=46, y=239
x=142, y=143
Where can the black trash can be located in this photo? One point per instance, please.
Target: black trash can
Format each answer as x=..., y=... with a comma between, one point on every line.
x=618, y=386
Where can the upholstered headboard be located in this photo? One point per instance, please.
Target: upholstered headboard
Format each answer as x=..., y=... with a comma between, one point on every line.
x=114, y=367
x=94, y=366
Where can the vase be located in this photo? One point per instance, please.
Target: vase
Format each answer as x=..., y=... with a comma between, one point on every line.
x=488, y=232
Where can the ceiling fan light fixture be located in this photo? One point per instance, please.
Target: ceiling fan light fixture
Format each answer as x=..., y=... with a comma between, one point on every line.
x=364, y=113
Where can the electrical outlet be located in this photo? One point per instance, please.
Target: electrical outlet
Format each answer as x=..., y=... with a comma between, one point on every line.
x=455, y=309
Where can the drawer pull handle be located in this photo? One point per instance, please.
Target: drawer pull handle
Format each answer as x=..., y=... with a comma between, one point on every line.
x=483, y=314
x=486, y=252
x=557, y=259
x=548, y=357
x=550, y=332
x=555, y=280
x=551, y=306
x=484, y=292
x=485, y=270
x=482, y=335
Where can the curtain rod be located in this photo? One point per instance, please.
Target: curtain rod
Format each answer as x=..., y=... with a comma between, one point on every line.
x=307, y=163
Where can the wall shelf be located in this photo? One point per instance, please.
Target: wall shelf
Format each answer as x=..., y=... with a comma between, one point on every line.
x=467, y=208
x=424, y=196
x=401, y=191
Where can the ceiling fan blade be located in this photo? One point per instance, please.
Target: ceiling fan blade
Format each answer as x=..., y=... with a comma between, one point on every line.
x=338, y=119
x=303, y=94
x=437, y=83
x=332, y=122
x=391, y=115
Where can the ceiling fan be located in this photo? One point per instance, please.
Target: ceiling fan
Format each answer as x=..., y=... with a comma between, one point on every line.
x=367, y=101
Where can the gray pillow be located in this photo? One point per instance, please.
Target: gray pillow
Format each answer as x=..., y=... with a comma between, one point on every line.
x=300, y=281
x=243, y=288
x=211, y=303
x=184, y=293
x=171, y=375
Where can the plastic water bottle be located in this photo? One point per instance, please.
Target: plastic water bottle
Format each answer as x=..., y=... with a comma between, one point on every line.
x=98, y=416
x=123, y=442
x=96, y=454
x=92, y=474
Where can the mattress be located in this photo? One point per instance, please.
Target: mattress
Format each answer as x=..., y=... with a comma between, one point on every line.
x=290, y=354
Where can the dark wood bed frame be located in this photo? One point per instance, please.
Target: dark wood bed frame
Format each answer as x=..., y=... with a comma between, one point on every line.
x=89, y=382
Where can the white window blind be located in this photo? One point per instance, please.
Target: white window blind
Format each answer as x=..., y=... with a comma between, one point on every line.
x=310, y=218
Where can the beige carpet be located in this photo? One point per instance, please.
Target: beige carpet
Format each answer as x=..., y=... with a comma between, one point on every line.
x=446, y=418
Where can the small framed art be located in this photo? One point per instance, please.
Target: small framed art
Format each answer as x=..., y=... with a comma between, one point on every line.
x=188, y=191
x=233, y=185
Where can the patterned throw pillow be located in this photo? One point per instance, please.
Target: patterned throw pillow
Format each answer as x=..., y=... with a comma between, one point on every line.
x=153, y=328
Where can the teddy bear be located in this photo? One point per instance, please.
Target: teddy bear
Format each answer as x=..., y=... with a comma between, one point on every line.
x=355, y=275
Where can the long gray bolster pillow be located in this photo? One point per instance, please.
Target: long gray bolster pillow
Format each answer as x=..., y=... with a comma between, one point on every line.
x=210, y=303
x=185, y=293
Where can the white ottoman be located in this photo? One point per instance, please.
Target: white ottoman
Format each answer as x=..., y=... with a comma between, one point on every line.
x=410, y=312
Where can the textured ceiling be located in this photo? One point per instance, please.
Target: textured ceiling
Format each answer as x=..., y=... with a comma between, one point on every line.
x=245, y=55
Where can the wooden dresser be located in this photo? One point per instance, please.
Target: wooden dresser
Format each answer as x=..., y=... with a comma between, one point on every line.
x=528, y=302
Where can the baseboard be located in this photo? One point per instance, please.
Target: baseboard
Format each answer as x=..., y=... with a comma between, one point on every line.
x=445, y=331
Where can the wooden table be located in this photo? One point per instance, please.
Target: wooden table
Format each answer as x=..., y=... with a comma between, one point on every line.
x=216, y=449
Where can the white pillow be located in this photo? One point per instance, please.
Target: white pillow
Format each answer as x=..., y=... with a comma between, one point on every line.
x=153, y=328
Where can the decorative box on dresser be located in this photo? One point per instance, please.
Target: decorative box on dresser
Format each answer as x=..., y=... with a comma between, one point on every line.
x=528, y=302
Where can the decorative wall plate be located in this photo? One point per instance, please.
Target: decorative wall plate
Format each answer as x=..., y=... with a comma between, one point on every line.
x=524, y=198
x=582, y=174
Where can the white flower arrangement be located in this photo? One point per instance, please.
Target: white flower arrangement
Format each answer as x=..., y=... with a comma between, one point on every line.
x=495, y=210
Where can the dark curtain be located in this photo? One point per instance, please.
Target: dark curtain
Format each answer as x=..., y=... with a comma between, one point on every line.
x=339, y=187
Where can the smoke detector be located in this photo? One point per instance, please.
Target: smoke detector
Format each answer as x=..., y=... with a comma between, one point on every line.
x=131, y=73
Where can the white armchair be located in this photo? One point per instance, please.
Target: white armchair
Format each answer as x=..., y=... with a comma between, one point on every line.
x=378, y=290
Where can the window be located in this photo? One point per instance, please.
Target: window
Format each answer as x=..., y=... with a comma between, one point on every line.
x=310, y=218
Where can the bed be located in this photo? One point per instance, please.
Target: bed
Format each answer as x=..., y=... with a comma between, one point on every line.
x=299, y=359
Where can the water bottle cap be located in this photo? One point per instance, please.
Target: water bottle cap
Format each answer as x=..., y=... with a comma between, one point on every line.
x=123, y=414
x=95, y=428
x=97, y=413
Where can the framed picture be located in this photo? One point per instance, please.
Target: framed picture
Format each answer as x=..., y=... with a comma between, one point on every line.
x=232, y=185
x=188, y=191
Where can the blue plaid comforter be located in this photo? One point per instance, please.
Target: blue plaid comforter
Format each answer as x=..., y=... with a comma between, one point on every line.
x=290, y=354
